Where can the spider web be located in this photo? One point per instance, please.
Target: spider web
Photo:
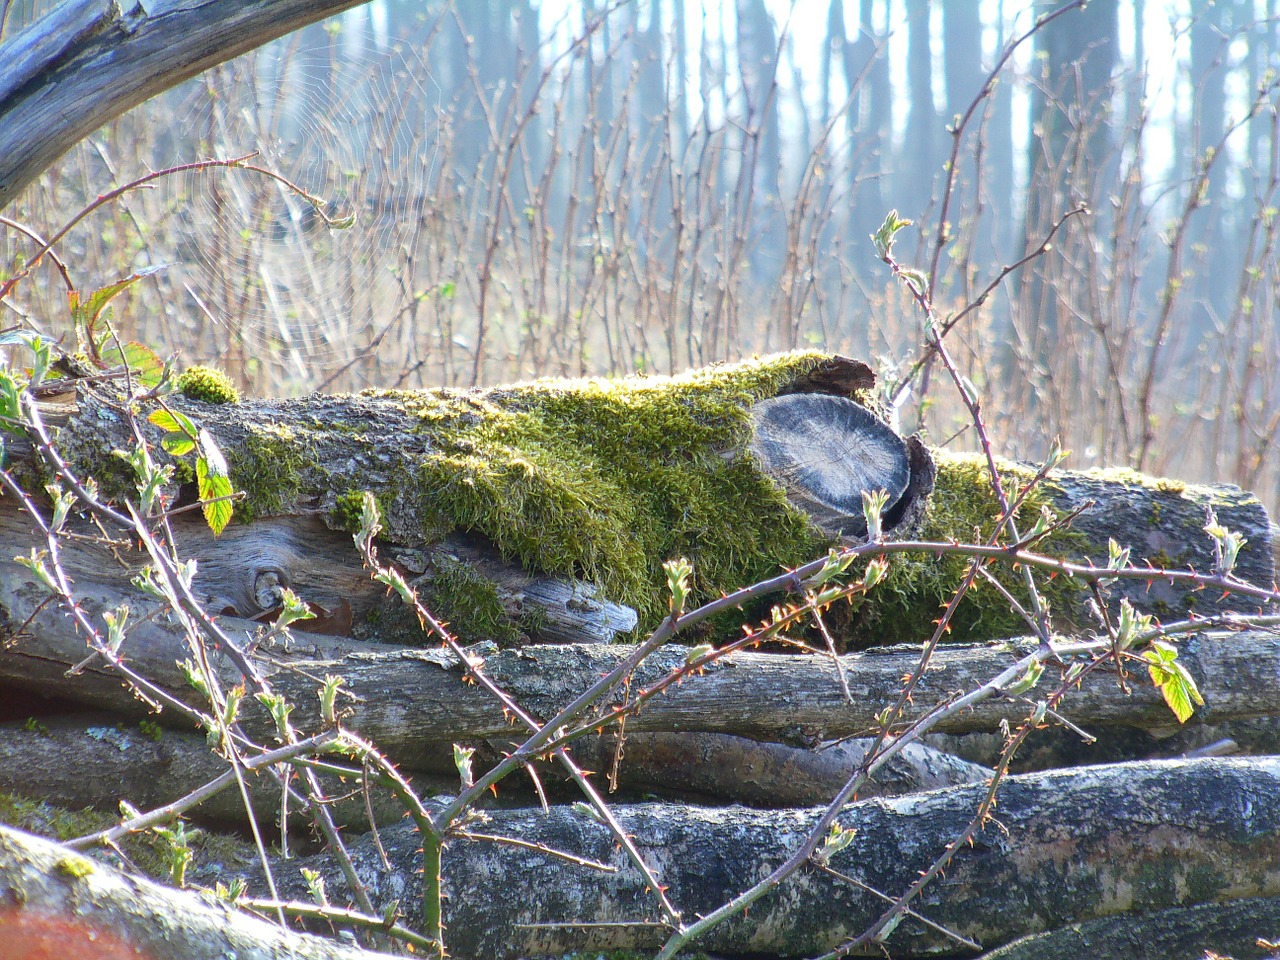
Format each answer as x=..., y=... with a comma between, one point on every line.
x=357, y=131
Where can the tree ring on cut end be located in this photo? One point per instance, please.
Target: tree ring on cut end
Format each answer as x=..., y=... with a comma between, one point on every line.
x=826, y=452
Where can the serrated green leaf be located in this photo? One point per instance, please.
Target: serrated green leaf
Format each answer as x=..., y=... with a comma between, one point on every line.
x=212, y=486
x=176, y=445
x=1175, y=684
x=215, y=462
x=144, y=364
x=172, y=421
x=91, y=306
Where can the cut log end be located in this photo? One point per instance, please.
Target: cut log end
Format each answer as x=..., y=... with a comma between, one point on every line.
x=826, y=452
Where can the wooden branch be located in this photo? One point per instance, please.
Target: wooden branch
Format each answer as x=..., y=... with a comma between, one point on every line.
x=412, y=701
x=1228, y=929
x=1064, y=848
x=153, y=767
x=116, y=761
x=723, y=768
x=86, y=63
x=1068, y=848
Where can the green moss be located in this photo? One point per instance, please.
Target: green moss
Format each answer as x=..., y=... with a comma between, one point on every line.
x=963, y=509
x=606, y=479
x=269, y=472
x=456, y=593
x=146, y=851
x=347, y=511
x=1205, y=883
x=207, y=385
x=75, y=866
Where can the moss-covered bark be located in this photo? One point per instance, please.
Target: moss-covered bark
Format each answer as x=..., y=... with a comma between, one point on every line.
x=604, y=480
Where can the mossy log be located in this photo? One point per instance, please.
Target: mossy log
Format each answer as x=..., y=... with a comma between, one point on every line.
x=1064, y=848
x=485, y=495
x=546, y=510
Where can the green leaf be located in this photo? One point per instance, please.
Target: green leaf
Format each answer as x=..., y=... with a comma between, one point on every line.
x=88, y=310
x=462, y=760
x=92, y=306
x=1027, y=681
x=10, y=399
x=177, y=445
x=873, y=504
x=884, y=237
x=144, y=363
x=173, y=421
x=214, y=488
x=213, y=484
x=1172, y=679
x=678, y=571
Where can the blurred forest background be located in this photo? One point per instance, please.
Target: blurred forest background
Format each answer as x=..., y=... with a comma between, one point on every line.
x=566, y=188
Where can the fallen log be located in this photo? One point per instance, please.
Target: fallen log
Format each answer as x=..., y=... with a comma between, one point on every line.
x=521, y=507
x=1238, y=929
x=150, y=767
x=1063, y=848
x=1136, y=837
x=414, y=703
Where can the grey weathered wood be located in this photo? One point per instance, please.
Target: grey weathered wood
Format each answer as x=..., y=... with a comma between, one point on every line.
x=722, y=768
x=1230, y=929
x=1064, y=847
x=571, y=611
x=1162, y=522
x=116, y=761
x=71, y=72
x=414, y=701
x=826, y=452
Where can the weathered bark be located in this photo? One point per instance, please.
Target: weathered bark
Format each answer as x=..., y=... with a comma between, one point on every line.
x=1068, y=847
x=1228, y=929
x=155, y=767
x=307, y=459
x=1097, y=843
x=116, y=761
x=524, y=535
x=87, y=62
x=1162, y=522
x=413, y=702
x=304, y=460
x=727, y=769
x=1212, y=822
x=86, y=909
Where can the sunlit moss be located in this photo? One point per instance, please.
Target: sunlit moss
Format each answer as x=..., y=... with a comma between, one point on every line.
x=207, y=385
x=268, y=470
x=964, y=509
x=606, y=479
